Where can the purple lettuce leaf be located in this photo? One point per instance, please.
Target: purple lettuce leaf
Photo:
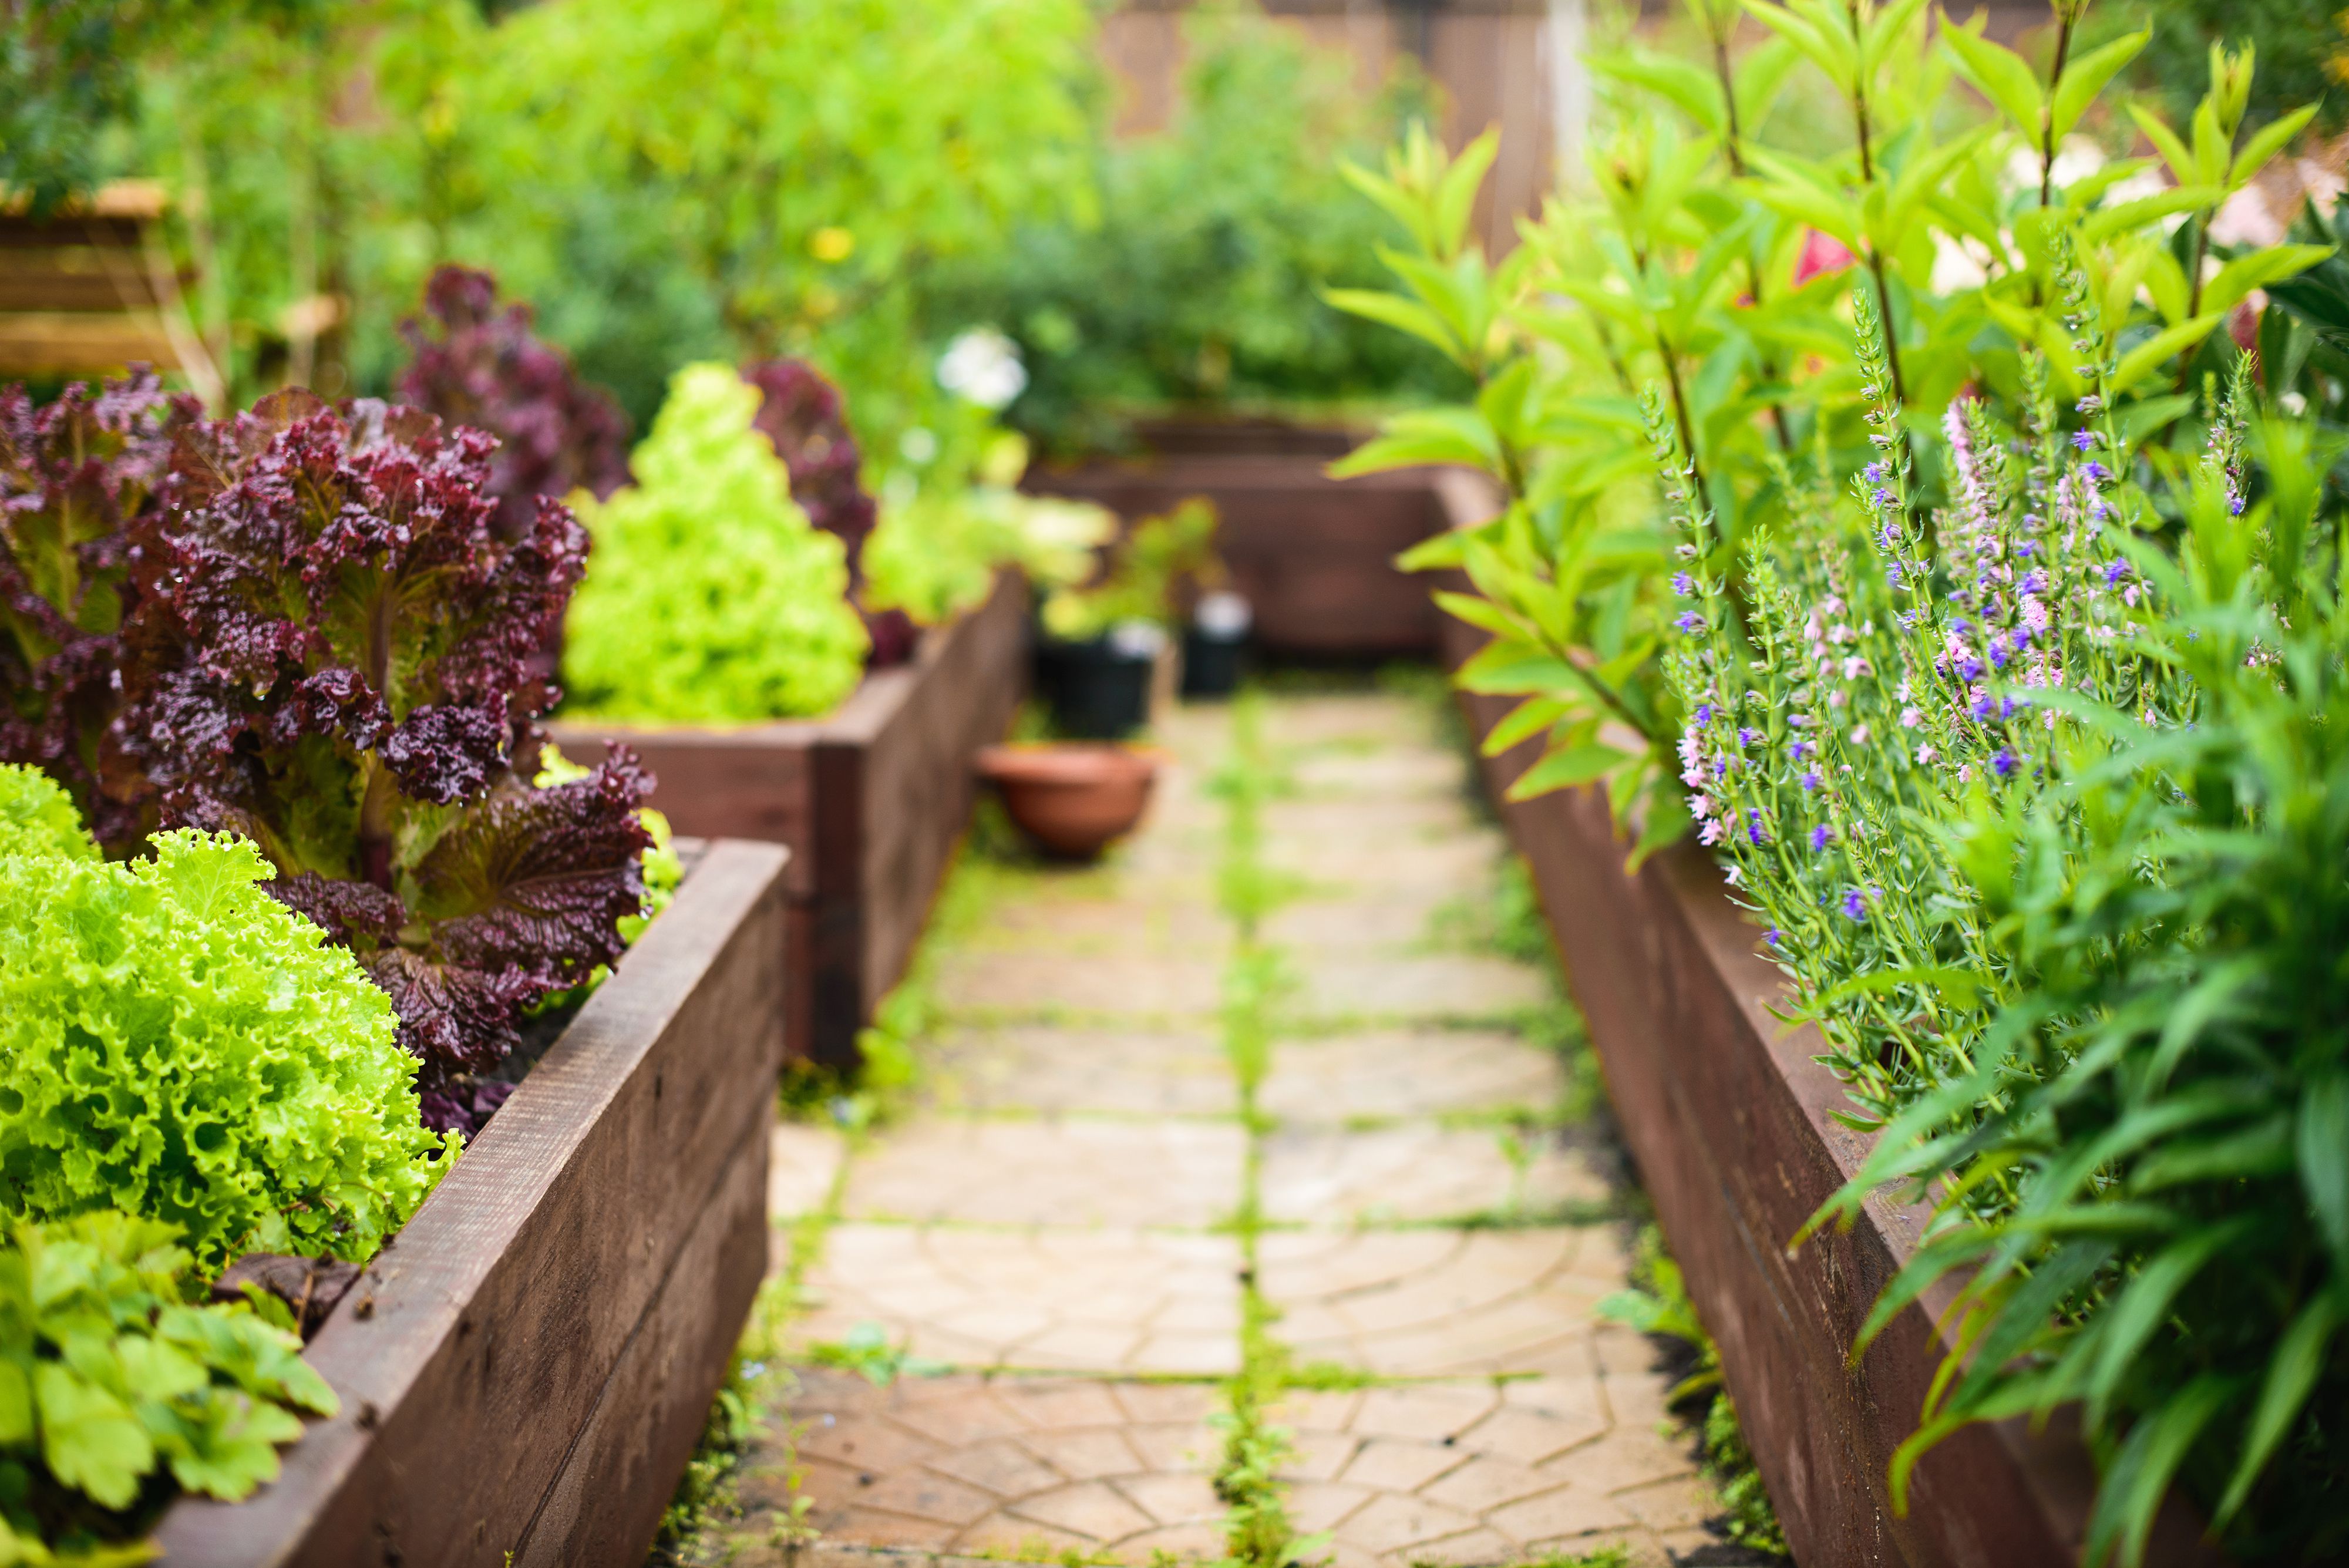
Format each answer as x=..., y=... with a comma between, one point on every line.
x=73, y=476
x=803, y=416
x=337, y=643
x=477, y=365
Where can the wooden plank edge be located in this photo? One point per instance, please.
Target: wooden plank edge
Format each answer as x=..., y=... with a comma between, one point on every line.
x=371, y=1370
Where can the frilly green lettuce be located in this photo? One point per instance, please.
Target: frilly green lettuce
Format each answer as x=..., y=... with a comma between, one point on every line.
x=709, y=597
x=177, y=1043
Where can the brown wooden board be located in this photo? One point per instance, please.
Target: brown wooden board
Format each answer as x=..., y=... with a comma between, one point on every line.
x=1728, y=1118
x=525, y=1368
x=1314, y=556
x=871, y=799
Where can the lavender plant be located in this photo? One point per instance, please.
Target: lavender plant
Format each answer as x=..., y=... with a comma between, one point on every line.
x=1964, y=783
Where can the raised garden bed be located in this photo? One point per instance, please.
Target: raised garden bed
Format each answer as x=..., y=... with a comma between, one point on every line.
x=870, y=799
x=525, y=1370
x=1314, y=556
x=1728, y=1118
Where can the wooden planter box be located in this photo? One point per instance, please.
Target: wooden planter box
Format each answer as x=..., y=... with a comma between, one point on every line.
x=526, y=1369
x=871, y=800
x=1727, y=1117
x=1313, y=555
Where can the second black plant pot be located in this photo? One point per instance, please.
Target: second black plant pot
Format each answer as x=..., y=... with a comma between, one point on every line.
x=1097, y=690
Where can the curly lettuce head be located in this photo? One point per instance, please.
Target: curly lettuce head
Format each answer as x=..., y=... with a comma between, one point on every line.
x=177, y=1043
x=710, y=598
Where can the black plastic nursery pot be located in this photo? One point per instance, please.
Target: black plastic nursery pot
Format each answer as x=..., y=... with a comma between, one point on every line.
x=1212, y=663
x=1096, y=690
x=525, y=1368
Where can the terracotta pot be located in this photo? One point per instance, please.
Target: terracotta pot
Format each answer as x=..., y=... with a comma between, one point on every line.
x=1073, y=799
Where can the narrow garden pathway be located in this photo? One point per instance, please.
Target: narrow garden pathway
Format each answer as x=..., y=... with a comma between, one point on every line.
x=1252, y=1127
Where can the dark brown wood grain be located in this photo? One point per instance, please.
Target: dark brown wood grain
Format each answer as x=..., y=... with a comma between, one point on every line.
x=1314, y=556
x=572, y=1288
x=871, y=799
x=1728, y=1117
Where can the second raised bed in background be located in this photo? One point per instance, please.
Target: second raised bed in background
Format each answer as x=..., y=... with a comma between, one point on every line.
x=871, y=798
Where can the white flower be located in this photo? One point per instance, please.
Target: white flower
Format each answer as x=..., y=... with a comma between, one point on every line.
x=1911, y=717
x=983, y=366
x=1956, y=267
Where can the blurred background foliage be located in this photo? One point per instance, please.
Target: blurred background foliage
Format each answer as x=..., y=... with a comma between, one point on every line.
x=855, y=182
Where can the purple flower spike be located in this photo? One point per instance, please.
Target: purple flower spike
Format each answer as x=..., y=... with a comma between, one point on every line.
x=1771, y=936
x=2083, y=440
x=1746, y=737
x=1855, y=905
x=2004, y=763
x=1683, y=585
x=1690, y=622
x=2114, y=571
x=1754, y=826
x=1705, y=712
x=2096, y=470
x=1875, y=472
x=1810, y=780
x=1821, y=837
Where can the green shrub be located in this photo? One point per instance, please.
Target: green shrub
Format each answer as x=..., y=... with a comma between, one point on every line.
x=106, y=1376
x=1197, y=284
x=177, y=1043
x=709, y=597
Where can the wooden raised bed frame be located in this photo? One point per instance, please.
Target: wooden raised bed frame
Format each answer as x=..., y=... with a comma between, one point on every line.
x=527, y=1367
x=1314, y=556
x=1727, y=1116
x=871, y=800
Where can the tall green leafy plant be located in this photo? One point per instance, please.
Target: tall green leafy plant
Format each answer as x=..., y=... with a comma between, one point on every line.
x=1710, y=267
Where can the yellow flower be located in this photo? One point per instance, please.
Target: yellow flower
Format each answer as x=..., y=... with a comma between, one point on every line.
x=832, y=244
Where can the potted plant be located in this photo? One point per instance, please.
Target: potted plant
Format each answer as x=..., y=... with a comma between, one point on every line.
x=1106, y=654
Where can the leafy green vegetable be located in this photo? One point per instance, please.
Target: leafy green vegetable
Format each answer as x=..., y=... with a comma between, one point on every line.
x=176, y=1043
x=107, y=1375
x=710, y=597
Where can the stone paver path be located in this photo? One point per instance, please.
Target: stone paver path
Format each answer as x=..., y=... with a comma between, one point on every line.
x=1048, y=1237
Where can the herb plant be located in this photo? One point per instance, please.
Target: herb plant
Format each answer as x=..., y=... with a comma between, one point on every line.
x=176, y=1043
x=108, y=1379
x=712, y=597
x=1709, y=262
x=485, y=368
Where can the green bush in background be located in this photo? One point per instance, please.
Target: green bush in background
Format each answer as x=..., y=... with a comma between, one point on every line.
x=1199, y=284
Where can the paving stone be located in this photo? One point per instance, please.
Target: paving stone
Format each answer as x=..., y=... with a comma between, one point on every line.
x=1023, y=983
x=971, y=1465
x=801, y=1161
x=1431, y=1303
x=1135, y=1072
x=1344, y=987
x=1417, y=1171
x=1045, y=1222
x=1409, y=1073
x=1071, y=1171
x=1395, y=919
x=1116, y=1300
x=1392, y=1521
x=1391, y=775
